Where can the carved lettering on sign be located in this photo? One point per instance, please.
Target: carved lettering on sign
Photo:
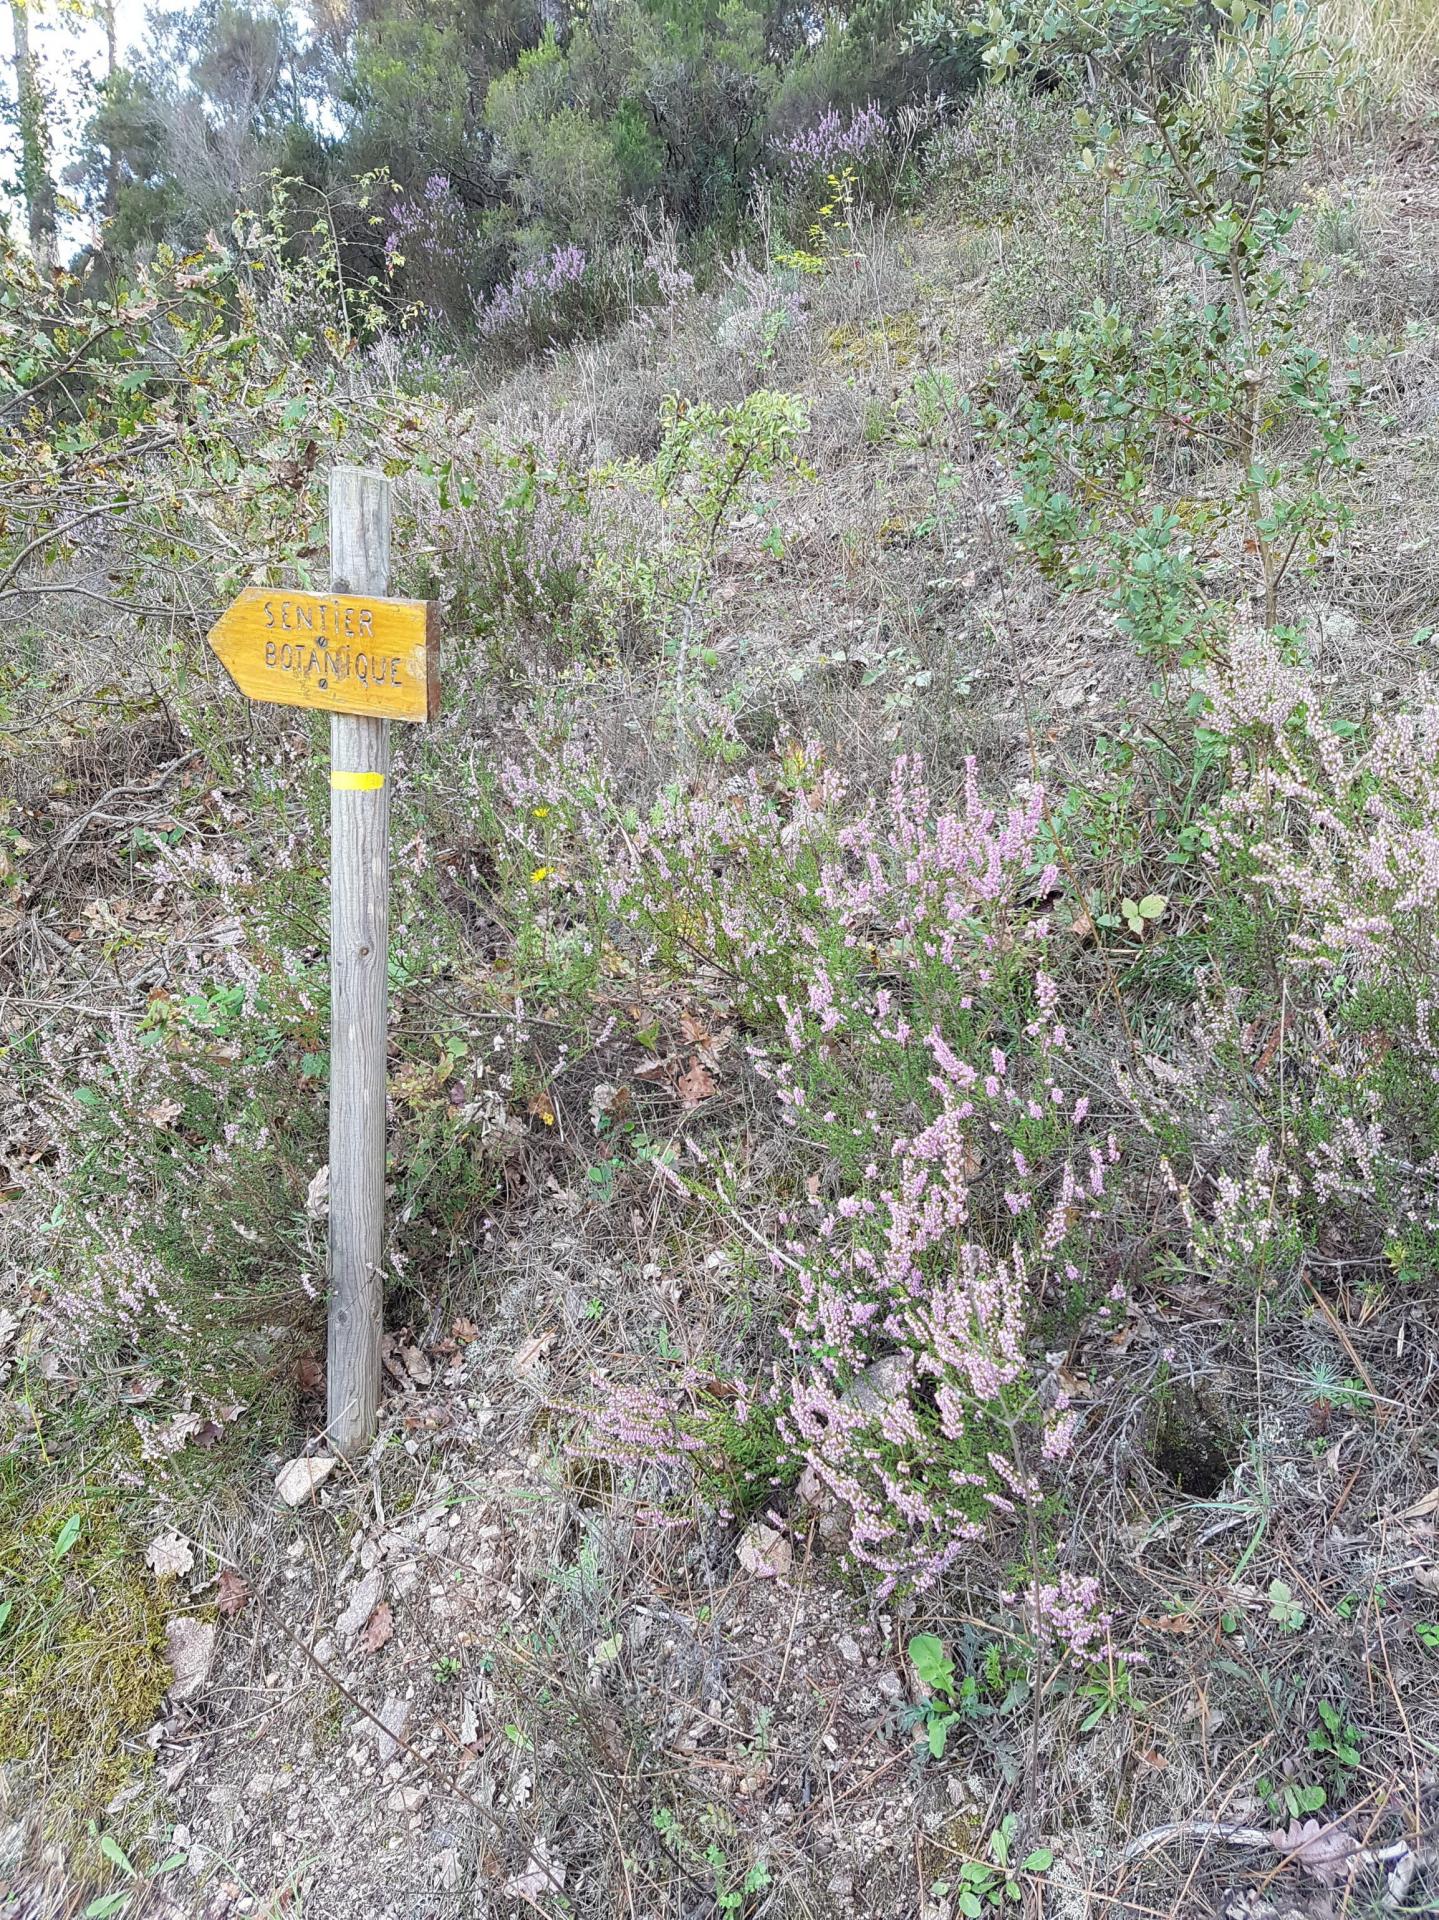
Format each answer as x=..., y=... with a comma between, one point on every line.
x=343, y=652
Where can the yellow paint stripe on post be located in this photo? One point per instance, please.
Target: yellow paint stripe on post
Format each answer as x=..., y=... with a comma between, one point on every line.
x=357, y=782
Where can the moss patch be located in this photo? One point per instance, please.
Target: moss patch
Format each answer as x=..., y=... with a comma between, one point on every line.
x=82, y=1651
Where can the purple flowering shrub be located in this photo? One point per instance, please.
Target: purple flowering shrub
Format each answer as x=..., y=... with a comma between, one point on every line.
x=429, y=247
x=1301, y=1103
x=1334, y=833
x=810, y=155
x=545, y=301
x=891, y=960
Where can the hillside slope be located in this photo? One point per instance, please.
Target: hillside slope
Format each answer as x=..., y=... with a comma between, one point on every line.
x=911, y=1295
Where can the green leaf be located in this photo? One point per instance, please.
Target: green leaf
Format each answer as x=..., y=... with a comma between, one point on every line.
x=969, y=1904
x=67, y=1536
x=1040, y=1861
x=931, y=1662
x=938, y=1736
x=116, y=1854
x=1152, y=905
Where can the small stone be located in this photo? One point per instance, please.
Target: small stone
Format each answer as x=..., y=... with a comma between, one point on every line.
x=891, y=1686
x=764, y=1551
x=299, y=1480
x=408, y=1799
x=393, y=1716
x=190, y=1644
x=363, y=1601
x=848, y=1649
x=879, y=1384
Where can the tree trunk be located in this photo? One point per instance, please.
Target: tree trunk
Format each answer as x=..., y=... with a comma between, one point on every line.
x=112, y=155
x=36, y=182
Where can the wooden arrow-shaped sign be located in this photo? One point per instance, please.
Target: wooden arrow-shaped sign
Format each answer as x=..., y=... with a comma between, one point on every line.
x=342, y=652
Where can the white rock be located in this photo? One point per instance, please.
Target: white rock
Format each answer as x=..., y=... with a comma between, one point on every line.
x=363, y=1601
x=880, y=1383
x=848, y=1649
x=764, y=1551
x=408, y=1799
x=394, y=1717
x=190, y=1644
x=298, y=1480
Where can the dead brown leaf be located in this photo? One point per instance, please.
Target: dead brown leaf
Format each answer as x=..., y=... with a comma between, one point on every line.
x=379, y=1628
x=1421, y=1509
x=234, y=1594
x=696, y=1086
x=534, y=1349
x=1321, y=1849
x=417, y=1365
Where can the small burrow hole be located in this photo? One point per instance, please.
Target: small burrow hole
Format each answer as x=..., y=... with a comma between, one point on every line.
x=1191, y=1443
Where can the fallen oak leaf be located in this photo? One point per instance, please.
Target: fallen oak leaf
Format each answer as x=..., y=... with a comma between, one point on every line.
x=696, y=1086
x=1325, y=1852
x=168, y=1556
x=234, y=1593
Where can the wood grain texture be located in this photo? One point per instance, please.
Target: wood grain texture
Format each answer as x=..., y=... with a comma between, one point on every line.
x=359, y=953
x=338, y=652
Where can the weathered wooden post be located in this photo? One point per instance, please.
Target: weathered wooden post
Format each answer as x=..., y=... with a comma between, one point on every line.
x=359, y=964
x=366, y=660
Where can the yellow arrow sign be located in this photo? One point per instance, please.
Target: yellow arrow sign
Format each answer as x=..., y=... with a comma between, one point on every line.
x=343, y=652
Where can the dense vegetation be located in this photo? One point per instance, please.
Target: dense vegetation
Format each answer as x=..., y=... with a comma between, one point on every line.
x=913, y=1192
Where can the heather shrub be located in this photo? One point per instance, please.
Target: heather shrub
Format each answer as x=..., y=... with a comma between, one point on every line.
x=855, y=146
x=890, y=961
x=1331, y=827
x=541, y=304
x=429, y=244
x=1292, y=1108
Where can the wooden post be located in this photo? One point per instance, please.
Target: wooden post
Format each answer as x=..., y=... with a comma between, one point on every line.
x=359, y=961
